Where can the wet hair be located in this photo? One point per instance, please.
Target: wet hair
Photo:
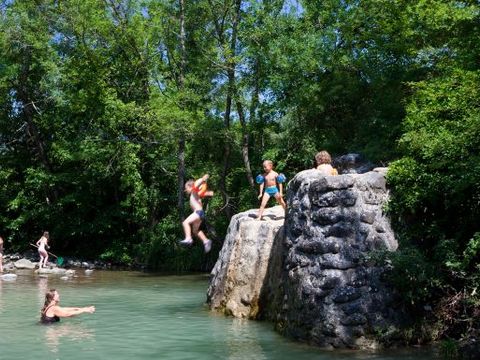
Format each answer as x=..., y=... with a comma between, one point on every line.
x=49, y=295
x=46, y=234
x=268, y=161
x=323, y=157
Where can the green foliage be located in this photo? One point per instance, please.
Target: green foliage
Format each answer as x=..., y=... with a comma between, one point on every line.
x=161, y=250
x=449, y=349
x=435, y=184
x=413, y=275
x=439, y=176
x=95, y=96
x=467, y=260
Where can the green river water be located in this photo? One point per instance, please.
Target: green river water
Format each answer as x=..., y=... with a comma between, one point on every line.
x=144, y=316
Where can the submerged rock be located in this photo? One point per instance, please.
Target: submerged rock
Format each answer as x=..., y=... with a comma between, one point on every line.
x=8, y=277
x=54, y=271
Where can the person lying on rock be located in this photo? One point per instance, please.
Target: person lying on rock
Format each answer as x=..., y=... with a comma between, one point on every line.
x=268, y=182
x=52, y=312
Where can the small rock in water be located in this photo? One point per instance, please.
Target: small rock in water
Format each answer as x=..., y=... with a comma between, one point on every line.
x=70, y=273
x=88, y=271
x=8, y=277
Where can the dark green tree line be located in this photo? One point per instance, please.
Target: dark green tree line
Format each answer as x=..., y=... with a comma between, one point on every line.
x=108, y=106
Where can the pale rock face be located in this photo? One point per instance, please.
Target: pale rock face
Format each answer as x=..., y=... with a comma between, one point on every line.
x=312, y=277
x=239, y=273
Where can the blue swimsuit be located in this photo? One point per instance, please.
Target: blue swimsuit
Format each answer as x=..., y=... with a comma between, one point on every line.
x=271, y=190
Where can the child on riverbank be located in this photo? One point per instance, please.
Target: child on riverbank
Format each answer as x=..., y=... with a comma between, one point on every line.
x=42, y=244
x=268, y=181
x=324, y=163
x=197, y=189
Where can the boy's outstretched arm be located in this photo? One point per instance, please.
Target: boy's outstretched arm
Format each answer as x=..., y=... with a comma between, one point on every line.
x=280, y=187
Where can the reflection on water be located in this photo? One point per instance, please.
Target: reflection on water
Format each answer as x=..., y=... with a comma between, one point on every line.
x=141, y=316
x=55, y=333
x=239, y=329
x=42, y=283
x=1, y=297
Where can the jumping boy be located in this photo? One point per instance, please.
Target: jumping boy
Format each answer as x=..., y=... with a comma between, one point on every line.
x=197, y=190
x=268, y=181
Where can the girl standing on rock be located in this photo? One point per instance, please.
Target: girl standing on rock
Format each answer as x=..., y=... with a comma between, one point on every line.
x=42, y=244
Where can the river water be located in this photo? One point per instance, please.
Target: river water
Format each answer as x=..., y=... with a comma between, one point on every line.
x=144, y=316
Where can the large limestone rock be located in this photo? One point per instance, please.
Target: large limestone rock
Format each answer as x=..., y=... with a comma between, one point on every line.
x=239, y=273
x=330, y=294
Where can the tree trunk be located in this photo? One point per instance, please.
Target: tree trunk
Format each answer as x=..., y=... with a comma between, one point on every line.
x=34, y=140
x=228, y=108
x=181, y=177
x=181, y=141
x=183, y=51
x=245, y=144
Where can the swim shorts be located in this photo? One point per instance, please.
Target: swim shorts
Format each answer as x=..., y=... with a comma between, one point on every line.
x=201, y=214
x=271, y=190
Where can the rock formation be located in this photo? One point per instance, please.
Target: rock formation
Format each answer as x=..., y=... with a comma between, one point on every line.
x=352, y=164
x=239, y=273
x=330, y=293
x=319, y=285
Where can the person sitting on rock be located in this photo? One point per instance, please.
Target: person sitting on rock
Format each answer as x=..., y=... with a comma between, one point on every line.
x=268, y=181
x=52, y=312
x=323, y=162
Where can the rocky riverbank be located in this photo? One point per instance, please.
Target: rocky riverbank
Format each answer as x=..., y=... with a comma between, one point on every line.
x=29, y=260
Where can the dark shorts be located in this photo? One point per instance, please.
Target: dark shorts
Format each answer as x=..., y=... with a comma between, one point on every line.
x=201, y=214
